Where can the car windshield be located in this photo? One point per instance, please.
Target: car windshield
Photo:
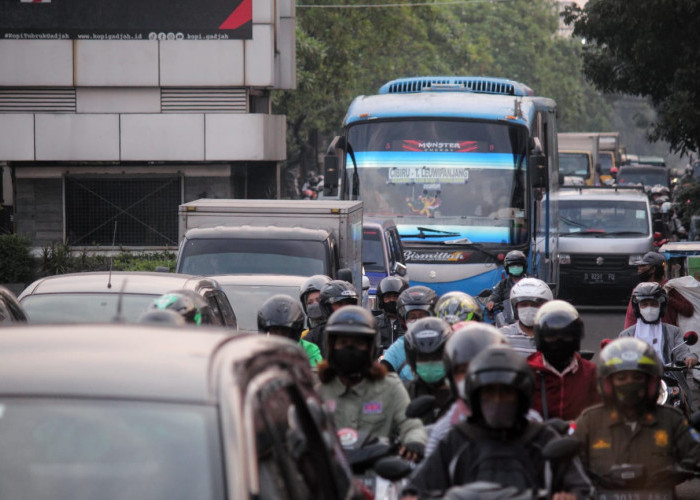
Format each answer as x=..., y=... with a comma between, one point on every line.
x=372, y=251
x=614, y=217
x=85, y=307
x=247, y=299
x=80, y=450
x=207, y=257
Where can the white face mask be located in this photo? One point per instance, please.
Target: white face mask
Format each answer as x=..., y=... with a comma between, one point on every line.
x=526, y=315
x=650, y=314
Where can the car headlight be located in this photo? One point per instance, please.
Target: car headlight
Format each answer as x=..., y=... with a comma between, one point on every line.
x=564, y=258
x=634, y=259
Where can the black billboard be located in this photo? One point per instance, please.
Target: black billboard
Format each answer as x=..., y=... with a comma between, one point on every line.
x=126, y=19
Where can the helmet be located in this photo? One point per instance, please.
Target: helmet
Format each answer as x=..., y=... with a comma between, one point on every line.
x=514, y=258
x=337, y=291
x=530, y=290
x=351, y=321
x=162, y=317
x=426, y=338
x=454, y=307
x=464, y=344
x=649, y=290
x=416, y=297
x=614, y=170
x=313, y=284
x=628, y=354
x=499, y=364
x=390, y=284
x=666, y=207
x=558, y=319
x=282, y=311
x=208, y=315
x=181, y=304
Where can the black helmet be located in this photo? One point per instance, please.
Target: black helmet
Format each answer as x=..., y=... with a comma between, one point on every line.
x=182, y=304
x=313, y=284
x=426, y=338
x=628, y=354
x=390, y=284
x=351, y=321
x=337, y=291
x=282, y=311
x=416, y=297
x=465, y=343
x=559, y=319
x=645, y=291
x=164, y=317
x=499, y=364
x=515, y=258
x=455, y=307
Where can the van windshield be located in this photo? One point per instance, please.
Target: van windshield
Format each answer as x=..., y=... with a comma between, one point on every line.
x=602, y=217
x=207, y=257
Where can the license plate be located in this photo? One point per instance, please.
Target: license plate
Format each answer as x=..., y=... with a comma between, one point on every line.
x=599, y=277
x=634, y=495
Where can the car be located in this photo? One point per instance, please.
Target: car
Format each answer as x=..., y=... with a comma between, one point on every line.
x=382, y=252
x=145, y=411
x=646, y=175
x=247, y=292
x=10, y=309
x=103, y=296
x=603, y=232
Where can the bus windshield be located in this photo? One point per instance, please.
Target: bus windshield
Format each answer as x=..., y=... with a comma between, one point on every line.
x=463, y=179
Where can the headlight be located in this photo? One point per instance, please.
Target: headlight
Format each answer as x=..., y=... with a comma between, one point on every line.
x=634, y=259
x=663, y=393
x=564, y=258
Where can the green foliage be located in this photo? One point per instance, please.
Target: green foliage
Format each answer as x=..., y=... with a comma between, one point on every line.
x=687, y=197
x=16, y=263
x=647, y=48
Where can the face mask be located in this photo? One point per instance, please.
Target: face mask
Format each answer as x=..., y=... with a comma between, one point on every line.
x=526, y=315
x=515, y=270
x=499, y=415
x=390, y=307
x=313, y=311
x=431, y=371
x=350, y=361
x=630, y=395
x=559, y=353
x=650, y=314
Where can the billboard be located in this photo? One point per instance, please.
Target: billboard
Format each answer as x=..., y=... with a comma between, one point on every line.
x=126, y=19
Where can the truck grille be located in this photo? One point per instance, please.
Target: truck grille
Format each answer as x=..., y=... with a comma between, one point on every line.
x=608, y=263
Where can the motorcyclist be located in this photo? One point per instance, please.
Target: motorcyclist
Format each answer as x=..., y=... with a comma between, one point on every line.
x=497, y=443
x=515, y=264
x=333, y=295
x=651, y=268
x=310, y=298
x=526, y=297
x=413, y=303
x=390, y=327
x=425, y=343
x=462, y=346
x=565, y=383
x=458, y=307
x=629, y=427
x=358, y=390
x=182, y=304
x=282, y=315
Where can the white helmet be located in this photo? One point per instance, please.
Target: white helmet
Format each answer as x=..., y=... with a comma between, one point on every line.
x=530, y=289
x=666, y=207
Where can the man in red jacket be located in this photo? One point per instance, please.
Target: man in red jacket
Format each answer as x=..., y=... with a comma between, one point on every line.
x=651, y=269
x=565, y=383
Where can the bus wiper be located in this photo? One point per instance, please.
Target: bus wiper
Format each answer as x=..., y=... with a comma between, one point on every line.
x=437, y=233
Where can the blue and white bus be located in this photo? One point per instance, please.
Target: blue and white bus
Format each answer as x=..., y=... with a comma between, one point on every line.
x=462, y=165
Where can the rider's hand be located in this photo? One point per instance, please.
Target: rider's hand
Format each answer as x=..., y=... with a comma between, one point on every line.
x=412, y=451
x=691, y=361
x=489, y=305
x=564, y=496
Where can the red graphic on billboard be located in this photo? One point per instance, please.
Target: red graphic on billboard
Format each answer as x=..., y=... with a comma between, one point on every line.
x=243, y=14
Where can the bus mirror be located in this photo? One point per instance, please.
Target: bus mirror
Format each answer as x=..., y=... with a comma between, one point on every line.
x=537, y=168
x=330, y=175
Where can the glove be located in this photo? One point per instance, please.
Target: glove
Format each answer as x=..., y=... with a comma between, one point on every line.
x=417, y=449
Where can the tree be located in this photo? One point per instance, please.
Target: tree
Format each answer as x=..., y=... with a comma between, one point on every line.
x=647, y=48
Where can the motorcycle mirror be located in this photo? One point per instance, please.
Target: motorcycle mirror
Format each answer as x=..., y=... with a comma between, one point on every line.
x=420, y=406
x=586, y=354
x=392, y=468
x=561, y=448
x=559, y=425
x=690, y=338
x=604, y=342
x=486, y=292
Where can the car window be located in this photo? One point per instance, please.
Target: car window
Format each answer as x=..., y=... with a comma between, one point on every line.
x=396, y=247
x=85, y=307
x=247, y=299
x=372, y=250
x=80, y=449
x=210, y=297
x=227, y=315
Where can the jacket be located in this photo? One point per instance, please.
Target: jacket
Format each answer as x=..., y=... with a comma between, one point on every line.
x=443, y=397
x=312, y=351
x=677, y=304
x=377, y=406
x=315, y=335
x=389, y=331
x=661, y=439
x=673, y=347
x=567, y=394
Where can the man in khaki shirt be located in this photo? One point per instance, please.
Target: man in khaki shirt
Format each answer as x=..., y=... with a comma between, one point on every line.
x=358, y=390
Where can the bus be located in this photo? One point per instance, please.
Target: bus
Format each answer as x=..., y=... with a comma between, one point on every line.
x=462, y=165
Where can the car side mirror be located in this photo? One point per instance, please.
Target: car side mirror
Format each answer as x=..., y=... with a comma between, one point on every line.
x=399, y=269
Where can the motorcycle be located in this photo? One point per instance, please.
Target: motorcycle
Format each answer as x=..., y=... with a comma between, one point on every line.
x=672, y=391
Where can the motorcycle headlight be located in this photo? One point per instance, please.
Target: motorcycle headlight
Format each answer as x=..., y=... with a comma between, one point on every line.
x=663, y=394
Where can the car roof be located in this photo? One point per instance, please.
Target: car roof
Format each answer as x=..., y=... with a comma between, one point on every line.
x=130, y=282
x=257, y=232
x=260, y=279
x=623, y=194
x=120, y=361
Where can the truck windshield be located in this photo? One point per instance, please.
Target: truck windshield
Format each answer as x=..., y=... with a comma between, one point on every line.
x=575, y=164
x=206, y=257
x=603, y=217
x=464, y=178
